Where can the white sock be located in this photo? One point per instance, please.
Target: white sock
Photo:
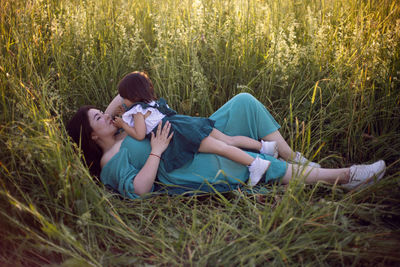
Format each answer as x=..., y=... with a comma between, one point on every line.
x=269, y=148
x=257, y=169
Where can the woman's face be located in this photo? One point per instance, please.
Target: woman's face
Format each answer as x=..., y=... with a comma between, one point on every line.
x=101, y=123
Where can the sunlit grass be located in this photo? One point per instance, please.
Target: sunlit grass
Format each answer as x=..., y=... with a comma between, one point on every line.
x=328, y=70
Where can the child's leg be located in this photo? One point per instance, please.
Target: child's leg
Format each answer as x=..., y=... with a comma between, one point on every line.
x=257, y=167
x=212, y=145
x=237, y=141
x=265, y=147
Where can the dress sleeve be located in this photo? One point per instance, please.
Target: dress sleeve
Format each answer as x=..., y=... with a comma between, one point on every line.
x=138, y=109
x=119, y=173
x=128, y=115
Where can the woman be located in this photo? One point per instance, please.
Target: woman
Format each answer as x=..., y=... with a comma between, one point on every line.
x=132, y=167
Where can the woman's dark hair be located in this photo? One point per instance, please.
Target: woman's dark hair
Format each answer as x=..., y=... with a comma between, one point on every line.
x=137, y=87
x=80, y=131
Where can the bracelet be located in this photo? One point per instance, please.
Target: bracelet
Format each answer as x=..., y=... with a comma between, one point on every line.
x=155, y=155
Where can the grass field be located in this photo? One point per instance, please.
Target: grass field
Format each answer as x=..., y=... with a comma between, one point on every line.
x=329, y=71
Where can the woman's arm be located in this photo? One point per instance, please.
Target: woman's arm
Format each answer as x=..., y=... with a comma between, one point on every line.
x=113, y=108
x=144, y=180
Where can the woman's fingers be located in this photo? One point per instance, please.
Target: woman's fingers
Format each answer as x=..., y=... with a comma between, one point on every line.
x=165, y=130
x=170, y=136
x=168, y=129
x=159, y=128
x=160, y=140
x=169, y=133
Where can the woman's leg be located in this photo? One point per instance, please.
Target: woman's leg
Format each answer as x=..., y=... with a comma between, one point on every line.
x=357, y=176
x=244, y=115
x=313, y=175
x=286, y=152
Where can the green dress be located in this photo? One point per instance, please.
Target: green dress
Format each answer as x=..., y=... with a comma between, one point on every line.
x=242, y=115
x=188, y=131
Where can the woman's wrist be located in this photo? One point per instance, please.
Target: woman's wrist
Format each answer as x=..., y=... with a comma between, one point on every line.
x=156, y=152
x=155, y=155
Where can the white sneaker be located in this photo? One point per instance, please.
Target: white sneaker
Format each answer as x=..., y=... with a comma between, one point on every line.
x=269, y=148
x=257, y=169
x=363, y=175
x=300, y=159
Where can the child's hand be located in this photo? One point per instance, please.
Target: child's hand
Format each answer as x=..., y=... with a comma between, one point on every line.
x=119, y=122
x=120, y=110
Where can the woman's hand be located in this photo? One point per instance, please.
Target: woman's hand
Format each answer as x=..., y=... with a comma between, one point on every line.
x=160, y=141
x=144, y=180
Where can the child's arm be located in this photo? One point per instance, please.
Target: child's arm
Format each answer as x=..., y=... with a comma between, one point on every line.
x=138, y=131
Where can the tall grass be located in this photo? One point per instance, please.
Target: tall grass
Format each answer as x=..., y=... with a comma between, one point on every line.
x=328, y=70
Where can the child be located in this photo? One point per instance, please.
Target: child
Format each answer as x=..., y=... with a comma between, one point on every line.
x=191, y=134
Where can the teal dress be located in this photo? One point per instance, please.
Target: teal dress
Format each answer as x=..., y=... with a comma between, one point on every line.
x=188, y=131
x=242, y=115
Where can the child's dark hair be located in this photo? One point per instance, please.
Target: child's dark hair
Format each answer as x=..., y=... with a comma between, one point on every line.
x=137, y=87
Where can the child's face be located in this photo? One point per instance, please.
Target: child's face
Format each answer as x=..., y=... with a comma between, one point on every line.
x=127, y=102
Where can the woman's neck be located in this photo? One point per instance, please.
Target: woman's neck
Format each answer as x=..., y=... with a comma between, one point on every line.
x=107, y=142
x=110, y=147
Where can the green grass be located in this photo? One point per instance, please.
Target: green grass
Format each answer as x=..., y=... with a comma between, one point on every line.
x=329, y=72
